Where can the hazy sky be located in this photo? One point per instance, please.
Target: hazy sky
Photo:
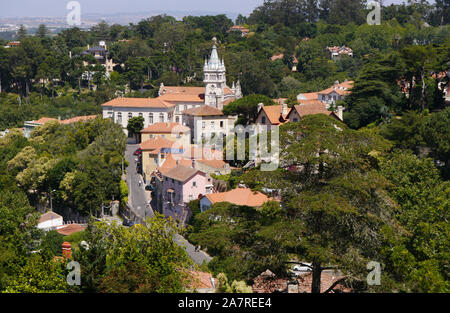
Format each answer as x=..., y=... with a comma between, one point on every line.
x=33, y=8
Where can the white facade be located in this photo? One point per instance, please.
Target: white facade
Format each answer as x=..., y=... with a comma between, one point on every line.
x=121, y=115
x=204, y=126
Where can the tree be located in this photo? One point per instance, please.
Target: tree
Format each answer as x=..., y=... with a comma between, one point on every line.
x=22, y=32
x=155, y=261
x=135, y=126
x=40, y=276
x=246, y=108
x=42, y=31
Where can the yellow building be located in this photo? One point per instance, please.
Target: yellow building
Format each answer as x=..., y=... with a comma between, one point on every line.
x=171, y=131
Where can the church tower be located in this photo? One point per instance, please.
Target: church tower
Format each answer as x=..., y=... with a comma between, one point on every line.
x=214, y=79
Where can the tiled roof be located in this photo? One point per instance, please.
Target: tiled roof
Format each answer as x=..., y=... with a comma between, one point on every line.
x=204, y=110
x=309, y=109
x=138, y=103
x=267, y=282
x=310, y=95
x=156, y=144
x=201, y=280
x=70, y=229
x=44, y=120
x=181, y=173
x=182, y=94
x=166, y=128
x=78, y=119
x=274, y=115
x=240, y=196
x=315, y=102
x=341, y=89
x=186, y=160
x=49, y=216
x=75, y=119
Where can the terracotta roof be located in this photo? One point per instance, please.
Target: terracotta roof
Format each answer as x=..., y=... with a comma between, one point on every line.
x=315, y=102
x=182, y=94
x=44, y=120
x=277, y=56
x=267, y=282
x=238, y=28
x=341, y=89
x=228, y=101
x=200, y=280
x=78, y=119
x=274, y=115
x=182, y=173
x=48, y=216
x=186, y=160
x=204, y=110
x=310, y=95
x=70, y=229
x=166, y=128
x=138, y=103
x=171, y=162
x=156, y=144
x=240, y=196
x=309, y=109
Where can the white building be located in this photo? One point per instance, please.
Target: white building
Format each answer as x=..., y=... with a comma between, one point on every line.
x=173, y=101
x=153, y=110
x=207, y=121
x=50, y=221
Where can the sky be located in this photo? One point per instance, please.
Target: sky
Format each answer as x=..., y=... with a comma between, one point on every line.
x=54, y=8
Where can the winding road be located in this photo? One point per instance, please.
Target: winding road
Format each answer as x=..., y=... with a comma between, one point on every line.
x=138, y=201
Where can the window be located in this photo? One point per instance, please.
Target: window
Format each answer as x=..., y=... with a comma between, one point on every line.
x=119, y=118
x=185, y=107
x=295, y=119
x=141, y=115
x=130, y=115
x=194, y=184
x=150, y=118
x=161, y=118
x=203, y=124
x=263, y=120
x=212, y=124
x=177, y=119
x=221, y=124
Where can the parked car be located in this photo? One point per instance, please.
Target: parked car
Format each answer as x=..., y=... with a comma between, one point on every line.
x=138, y=151
x=149, y=188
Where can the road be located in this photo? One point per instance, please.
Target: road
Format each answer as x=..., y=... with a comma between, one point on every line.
x=137, y=197
x=138, y=200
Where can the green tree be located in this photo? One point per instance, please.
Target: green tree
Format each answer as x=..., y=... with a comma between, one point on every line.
x=135, y=126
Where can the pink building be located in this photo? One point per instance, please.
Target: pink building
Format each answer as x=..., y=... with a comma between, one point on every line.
x=180, y=185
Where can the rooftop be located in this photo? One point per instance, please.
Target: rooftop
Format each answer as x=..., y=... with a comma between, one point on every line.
x=166, y=128
x=48, y=216
x=70, y=229
x=138, y=103
x=204, y=110
x=240, y=196
x=182, y=173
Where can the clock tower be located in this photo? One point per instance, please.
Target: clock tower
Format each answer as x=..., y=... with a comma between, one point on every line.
x=214, y=79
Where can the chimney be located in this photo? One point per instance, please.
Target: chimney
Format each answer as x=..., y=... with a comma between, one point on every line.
x=260, y=105
x=340, y=112
x=285, y=109
x=67, y=250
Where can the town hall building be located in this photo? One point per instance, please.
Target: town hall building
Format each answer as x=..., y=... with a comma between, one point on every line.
x=173, y=100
